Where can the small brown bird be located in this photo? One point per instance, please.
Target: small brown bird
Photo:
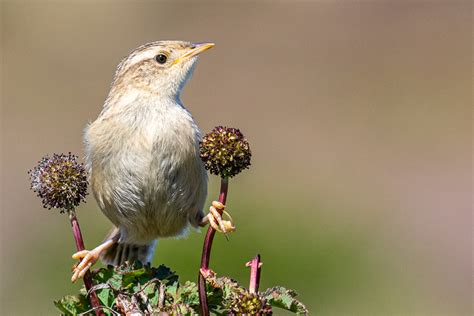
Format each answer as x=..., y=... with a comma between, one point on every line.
x=142, y=153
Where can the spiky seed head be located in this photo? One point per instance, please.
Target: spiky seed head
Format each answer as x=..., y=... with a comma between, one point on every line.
x=59, y=181
x=225, y=151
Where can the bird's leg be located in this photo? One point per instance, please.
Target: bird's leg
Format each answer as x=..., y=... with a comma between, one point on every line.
x=214, y=218
x=89, y=257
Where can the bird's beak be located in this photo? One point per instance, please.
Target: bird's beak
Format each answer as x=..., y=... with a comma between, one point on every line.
x=196, y=50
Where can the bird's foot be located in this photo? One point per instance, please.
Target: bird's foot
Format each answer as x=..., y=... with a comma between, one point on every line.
x=88, y=258
x=215, y=218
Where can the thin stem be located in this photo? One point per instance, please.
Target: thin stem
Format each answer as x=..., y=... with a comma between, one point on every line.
x=76, y=231
x=255, y=269
x=206, y=251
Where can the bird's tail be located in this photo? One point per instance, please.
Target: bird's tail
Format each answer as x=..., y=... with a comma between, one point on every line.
x=121, y=252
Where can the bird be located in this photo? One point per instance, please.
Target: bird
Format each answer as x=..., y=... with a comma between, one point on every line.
x=142, y=156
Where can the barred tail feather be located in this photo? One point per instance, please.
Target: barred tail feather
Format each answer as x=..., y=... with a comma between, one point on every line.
x=119, y=253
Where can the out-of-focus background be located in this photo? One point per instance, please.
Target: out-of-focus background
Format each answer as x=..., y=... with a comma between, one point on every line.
x=358, y=115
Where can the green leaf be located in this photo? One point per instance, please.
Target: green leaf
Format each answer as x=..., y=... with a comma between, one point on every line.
x=188, y=294
x=286, y=300
x=150, y=288
x=173, y=290
x=154, y=296
x=280, y=297
x=104, y=296
x=103, y=275
x=131, y=279
x=72, y=305
x=224, y=294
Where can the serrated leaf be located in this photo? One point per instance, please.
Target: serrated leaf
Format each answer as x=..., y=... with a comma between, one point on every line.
x=165, y=273
x=280, y=297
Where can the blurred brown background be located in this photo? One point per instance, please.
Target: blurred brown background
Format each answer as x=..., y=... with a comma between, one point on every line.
x=358, y=114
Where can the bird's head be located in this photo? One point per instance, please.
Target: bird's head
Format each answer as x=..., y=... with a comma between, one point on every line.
x=161, y=67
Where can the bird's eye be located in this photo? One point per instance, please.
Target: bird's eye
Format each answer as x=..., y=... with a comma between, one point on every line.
x=161, y=58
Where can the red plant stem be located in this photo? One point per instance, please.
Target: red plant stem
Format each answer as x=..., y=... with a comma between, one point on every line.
x=206, y=251
x=76, y=230
x=255, y=269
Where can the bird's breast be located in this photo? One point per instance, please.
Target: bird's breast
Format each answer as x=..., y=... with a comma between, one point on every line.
x=146, y=173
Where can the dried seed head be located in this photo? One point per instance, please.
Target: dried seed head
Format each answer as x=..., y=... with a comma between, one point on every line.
x=225, y=151
x=60, y=181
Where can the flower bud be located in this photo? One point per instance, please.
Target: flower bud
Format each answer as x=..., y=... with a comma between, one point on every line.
x=249, y=304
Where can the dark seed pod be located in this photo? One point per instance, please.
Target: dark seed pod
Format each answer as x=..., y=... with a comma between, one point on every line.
x=225, y=151
x=59, y=181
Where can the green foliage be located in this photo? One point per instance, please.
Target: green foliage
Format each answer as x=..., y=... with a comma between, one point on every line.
x=150, y=290
x=278, y=296
x=73, y=305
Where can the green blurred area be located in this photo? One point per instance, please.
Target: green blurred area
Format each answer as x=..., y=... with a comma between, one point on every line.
x=358, y=115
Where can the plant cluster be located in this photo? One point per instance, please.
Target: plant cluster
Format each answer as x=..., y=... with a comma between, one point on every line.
x=145, y=290
x=133, y=289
